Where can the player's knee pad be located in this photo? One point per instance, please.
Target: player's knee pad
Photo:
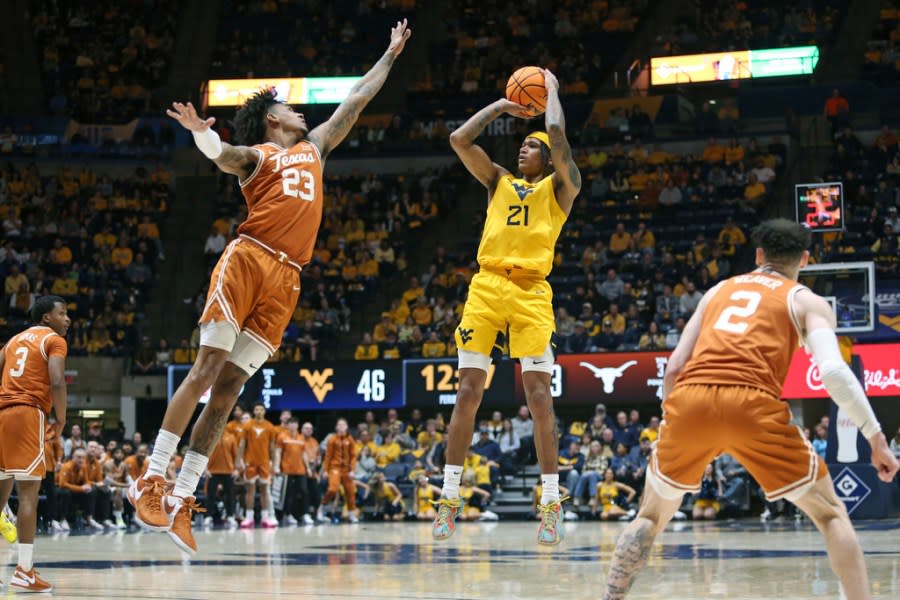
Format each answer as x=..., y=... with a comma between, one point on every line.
x=542, y=364
x=473, y=360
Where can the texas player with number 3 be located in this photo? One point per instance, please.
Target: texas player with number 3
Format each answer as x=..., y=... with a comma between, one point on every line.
x=722, y=392
x=256, y=284
x=33, y=364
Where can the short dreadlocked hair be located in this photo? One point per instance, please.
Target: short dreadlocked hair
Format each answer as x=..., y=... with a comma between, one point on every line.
x=250, y=120
x=783, y=241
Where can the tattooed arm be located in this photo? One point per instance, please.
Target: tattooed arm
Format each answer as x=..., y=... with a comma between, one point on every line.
x=333, y=131
x=236, y=160
x=566, y=176
x=473, y=156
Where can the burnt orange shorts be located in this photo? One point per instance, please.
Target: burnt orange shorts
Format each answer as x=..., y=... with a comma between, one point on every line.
x=255, y=291
x=252, y=472
x=22, y=442
x=700, y=422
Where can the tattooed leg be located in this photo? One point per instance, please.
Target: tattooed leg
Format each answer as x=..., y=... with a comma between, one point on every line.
x=211, y=422
x=634, y=545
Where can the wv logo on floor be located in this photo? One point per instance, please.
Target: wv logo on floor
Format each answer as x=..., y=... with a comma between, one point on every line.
x=851, y=489
x=318, y=382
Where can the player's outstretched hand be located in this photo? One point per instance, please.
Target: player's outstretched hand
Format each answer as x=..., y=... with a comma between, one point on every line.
x=515, y=110
x=187, y=115
x=399, y=34
x=550, y=81
x=883, y=459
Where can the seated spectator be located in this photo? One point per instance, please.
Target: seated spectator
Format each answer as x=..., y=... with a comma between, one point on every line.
x=690, y=299
x=651, y=432
x=579, y=342
x=184, y=354
x=611, y=288
x=214, y=247
x=367, y=349
x=607, y=340
x=617, y=319
x=21, y=302
x=734, y=153
x=618, y=241
x=670, y=195
x=653, y=339
x=714, y=152
x=607, y=501
x=145, y=359
x=163, y=353
x=763, y=173
x=706, y=501
x=77, y=491
x=732, y=234
x=595, y=463
x=674, y=334
x=571, y=462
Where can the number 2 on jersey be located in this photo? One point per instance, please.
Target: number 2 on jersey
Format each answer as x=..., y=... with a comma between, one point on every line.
x=298, y=183
x=22, y=353
x=733, y=318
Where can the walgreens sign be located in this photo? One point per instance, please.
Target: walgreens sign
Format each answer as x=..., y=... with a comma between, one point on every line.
x=880, y=361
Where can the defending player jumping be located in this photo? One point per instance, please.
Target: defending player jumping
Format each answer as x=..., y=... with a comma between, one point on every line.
x=724, y=380
x=33, y=364
x=256, y=284
x=510, y=292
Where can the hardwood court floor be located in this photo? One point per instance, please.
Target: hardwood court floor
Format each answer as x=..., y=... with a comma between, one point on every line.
x=496, y=561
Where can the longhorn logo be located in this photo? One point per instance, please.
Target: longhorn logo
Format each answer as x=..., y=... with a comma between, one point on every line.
x=318, y=382
x=608, y=374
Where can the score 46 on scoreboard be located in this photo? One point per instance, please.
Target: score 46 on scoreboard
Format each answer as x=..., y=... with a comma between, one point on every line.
x=339, y=386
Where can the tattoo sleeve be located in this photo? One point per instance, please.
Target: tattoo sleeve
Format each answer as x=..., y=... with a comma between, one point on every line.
x=560, y=151
x=629, y=557
x=237, y=160
x=469, y=131
x=208, y=430
x=331, y=133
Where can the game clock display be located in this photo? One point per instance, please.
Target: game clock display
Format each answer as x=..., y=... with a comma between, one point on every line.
x=430, y=383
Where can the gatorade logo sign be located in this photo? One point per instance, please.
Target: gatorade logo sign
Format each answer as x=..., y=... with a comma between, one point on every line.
x=851, y=489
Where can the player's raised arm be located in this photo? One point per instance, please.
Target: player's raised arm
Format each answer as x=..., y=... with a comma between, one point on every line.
x=818, y=322
x=473, y=156
x=566, y=176
x=332, y=132
x=236, y=160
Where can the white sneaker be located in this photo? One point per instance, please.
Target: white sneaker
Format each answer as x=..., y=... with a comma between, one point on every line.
x=765, y=516
x=231, y=523
x=290, y=520
x=207, y=521
x=120, y=523
x=354, y=519
x=64, y=525
x=679, y=516
x=109, y=523
x=308, y=520
x=55, y=526
x=94, y=524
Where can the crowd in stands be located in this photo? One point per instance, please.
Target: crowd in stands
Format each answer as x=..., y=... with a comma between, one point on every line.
x=649, y=234
x=370, y=224
x=259, y=39
x=102, y=62
x=882, y=56
x=86, y=236
x=736, y=25
x=487, y=41
x=871, y=178
x=395, y=466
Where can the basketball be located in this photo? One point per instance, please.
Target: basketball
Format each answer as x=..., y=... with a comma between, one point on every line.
x=526, y=87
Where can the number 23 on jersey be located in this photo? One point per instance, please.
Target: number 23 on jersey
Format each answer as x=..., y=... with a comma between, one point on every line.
x=298, y=183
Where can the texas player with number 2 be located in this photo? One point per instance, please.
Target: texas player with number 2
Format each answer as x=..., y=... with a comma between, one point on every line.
x=33, y=364
x=256, y=284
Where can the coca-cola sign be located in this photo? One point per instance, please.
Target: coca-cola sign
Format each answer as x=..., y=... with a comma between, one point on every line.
x=880, y=361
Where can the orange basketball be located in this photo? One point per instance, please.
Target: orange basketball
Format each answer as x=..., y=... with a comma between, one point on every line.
x=526, y=87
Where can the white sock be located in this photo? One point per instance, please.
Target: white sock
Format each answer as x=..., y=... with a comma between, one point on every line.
x=26, y=556
x=165, y=446
x=249, y=515
x=191, y=469
x=452, y=475
x=549, y=488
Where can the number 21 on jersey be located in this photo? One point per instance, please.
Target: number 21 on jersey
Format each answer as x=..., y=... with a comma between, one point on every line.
x=298, y=183
x=734, y=318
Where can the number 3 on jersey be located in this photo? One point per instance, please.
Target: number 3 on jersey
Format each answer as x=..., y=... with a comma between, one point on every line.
x=298, y=183
x=22, y=353
x=733, y=318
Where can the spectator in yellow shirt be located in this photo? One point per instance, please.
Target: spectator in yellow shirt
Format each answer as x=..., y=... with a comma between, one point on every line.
x=421, y=313
x=714, y=152
x=651, y=433
x=399, y=311
x=644, y=237
x=104, y=239
x=754, y=190
x=382, y=329
x=121, y=255
x=434, y=347
x=60, y=254
x=147, y=229
x=731, y=233
x=616, y=318
x=367, y=350
x=658, y=156
x=734, y=153
x=414, y=291
x=184, y=354
x=387, y=452
x=618, y=241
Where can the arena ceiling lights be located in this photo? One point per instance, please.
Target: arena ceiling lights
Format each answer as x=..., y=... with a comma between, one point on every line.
x=291, y=90
x=740, y=64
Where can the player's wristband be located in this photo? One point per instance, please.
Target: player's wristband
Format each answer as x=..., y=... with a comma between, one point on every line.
x=209, y=143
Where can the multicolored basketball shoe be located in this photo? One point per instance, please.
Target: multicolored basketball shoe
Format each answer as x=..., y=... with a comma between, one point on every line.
x=445, y=521
x=550, y=533
x=7, y=528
